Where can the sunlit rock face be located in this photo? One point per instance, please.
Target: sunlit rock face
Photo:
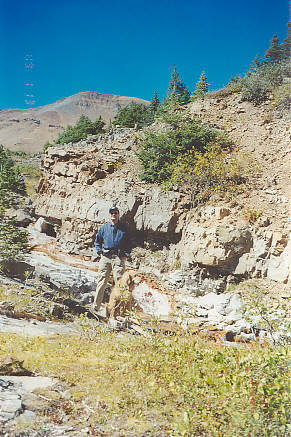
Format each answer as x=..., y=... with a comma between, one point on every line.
x=81, y=182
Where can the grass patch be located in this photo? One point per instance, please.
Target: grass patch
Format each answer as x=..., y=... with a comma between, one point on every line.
x=179, y=385
x=30, y=301
x=31, y=174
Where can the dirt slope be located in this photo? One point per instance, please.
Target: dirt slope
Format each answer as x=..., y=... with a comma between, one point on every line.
x=264, y=134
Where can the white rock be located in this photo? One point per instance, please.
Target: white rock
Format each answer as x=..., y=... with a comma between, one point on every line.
x=35, y=328
x=40, y=225
x=246, y=337
x=233, y=316
x=235, y=303
x=278, y=267
x=61, y=275
x=214, y=317
x=10, y=405
x=151, y=301
x=212, y=300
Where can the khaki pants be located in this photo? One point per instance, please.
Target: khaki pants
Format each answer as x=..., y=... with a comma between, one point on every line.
x=106, y=265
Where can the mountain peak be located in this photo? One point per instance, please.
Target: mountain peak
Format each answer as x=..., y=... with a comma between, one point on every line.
x=29, y=129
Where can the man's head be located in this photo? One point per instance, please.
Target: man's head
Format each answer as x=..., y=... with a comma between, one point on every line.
x=114, y=214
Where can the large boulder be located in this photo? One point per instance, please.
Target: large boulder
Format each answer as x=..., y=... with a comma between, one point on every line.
x=219, y=245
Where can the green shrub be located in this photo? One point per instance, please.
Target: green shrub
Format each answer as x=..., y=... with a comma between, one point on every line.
x=162, y=153
x=134, y=115
x=13, y=242
x=11, y=178
x=265, y=76
x=235, y=85
x=83, y=128
x=47, y=145
x=209, y=171
x=13, y=239
x=258, y=85
x=282, y=96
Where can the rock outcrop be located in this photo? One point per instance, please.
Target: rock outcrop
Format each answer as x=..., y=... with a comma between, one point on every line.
x=216, y=239
x=193, y=251
x=81, y=181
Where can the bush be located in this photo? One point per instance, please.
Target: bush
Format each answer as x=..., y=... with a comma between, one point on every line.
x=258, y=84
x=134, y=115
x=209, y=171
x=83, y=128
x=13, y=240
x=265, y=76
x=11, y=178
x=162, y=153
x=282, y=96
x=47, y=145
x=235, y=85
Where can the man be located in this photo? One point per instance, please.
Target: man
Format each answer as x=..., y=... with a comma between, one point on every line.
x=112, y=246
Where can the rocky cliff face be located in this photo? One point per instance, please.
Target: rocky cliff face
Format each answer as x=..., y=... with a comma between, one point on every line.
x=218, y=241
x=29, y=129
x=81, y=181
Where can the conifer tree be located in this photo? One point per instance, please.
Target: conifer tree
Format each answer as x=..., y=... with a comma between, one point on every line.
x=275, y=51
x=83, y=128
x=155, y=103
x=256, y=62
x=13, y=239
x=177, y=90
x=174, y=82
x=134, y=114
x=201, y=87
x=286, y=46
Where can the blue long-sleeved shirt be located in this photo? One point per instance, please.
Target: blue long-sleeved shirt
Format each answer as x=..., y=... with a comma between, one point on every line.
x=112, y=236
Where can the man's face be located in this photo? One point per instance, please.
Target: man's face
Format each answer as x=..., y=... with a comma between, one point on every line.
x=114, y=217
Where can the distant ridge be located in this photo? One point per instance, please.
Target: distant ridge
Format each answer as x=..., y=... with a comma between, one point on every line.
x=30, y=129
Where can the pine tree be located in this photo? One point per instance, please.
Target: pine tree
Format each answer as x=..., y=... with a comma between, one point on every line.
x=201, y=87
x=98, y=126
x=174, y=82
x=10, y=176
x=256, y=62
x=13, y=239
x=184, y=94
x=286, y=46
x=155, y=103
x=275, y=51
x=83, y=128
x=177, y=90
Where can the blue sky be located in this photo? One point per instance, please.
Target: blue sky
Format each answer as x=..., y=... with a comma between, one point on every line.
x=129, y=47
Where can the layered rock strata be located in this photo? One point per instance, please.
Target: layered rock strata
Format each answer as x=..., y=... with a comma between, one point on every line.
x=81, y=181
